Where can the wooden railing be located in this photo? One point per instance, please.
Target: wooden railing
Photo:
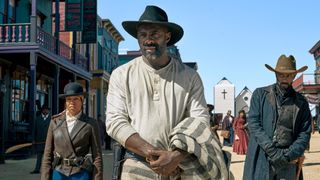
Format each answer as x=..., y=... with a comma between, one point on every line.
x=14, y=33
x=20, y=33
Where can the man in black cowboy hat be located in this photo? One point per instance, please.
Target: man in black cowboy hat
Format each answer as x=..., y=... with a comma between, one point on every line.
x=73, y=149
x=41, y=130
x=150, y=97
x=279, y=124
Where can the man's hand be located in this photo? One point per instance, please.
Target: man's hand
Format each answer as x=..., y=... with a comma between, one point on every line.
x=166, y=162
x=278, y=159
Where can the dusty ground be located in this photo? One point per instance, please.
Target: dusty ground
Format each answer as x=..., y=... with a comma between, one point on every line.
x=311, y=165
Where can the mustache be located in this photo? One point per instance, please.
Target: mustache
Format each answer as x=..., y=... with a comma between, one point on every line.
x=150, y=45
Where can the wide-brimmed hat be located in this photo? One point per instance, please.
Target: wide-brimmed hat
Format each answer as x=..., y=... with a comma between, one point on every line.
x=286, y=65
x=210, y=107
x=45, y=106
x=73, y=89
x=155, y=15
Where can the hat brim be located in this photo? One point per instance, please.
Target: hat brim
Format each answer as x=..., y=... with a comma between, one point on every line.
x=77, y=94
x=175, y=29
x=286, y=71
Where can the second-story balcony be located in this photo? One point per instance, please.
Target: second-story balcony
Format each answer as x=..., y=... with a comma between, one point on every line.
x=17, y=35
x=307, y=84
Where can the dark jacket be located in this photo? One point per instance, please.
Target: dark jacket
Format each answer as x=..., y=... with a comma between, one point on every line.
x=84, y=138
x=262, y=123
x=41, y=131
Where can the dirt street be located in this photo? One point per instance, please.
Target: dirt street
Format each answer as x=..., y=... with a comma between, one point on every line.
x=311, y=165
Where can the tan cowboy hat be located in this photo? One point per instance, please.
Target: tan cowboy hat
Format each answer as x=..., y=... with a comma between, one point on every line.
x=155, y=15
x=286, y=65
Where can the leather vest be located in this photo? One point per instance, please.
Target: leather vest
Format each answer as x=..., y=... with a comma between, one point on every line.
x=283, y=134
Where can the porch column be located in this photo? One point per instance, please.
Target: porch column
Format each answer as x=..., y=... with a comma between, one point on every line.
x=1, y=126
x=33, y=21
x=32, y=91
x=55, y=91
x=57, y=25
x=87, y=99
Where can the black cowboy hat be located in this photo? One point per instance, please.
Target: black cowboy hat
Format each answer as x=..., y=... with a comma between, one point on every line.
x=45, y=106
x=155, y=15
x=73, y=89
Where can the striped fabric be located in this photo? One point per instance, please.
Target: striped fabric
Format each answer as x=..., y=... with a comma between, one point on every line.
x=204, y=162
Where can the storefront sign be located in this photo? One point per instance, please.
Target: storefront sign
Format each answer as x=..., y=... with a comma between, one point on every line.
x=89, y=33
x=73, y=15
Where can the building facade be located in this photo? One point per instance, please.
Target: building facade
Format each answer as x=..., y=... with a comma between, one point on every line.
x=242, y=101
x=308, y=84
x=224, y=97
x=107, y=60
x=35, y=65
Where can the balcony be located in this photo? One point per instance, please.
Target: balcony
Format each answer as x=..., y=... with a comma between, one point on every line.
x=307, y=84
x=18, y=34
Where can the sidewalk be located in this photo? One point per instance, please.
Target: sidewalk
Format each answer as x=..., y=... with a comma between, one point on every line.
x=311, y=165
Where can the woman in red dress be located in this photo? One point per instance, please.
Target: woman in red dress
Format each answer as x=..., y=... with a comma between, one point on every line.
x=240, y=144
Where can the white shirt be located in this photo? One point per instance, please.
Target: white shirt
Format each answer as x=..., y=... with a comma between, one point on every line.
x=152, y=102
x=71, y=120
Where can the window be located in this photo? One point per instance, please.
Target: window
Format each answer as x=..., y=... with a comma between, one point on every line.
x=2, y=13
x=12, y=11
x=19, y=93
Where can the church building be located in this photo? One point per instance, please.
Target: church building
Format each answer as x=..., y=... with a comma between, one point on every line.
x=224, y=97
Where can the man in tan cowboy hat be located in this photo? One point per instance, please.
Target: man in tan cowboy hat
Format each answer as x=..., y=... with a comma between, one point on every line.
x=156, y=109
x=279, y=125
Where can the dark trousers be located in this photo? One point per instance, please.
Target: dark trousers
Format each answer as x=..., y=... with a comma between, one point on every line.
x=39, y=159
x=286, y=173
x=82, y=175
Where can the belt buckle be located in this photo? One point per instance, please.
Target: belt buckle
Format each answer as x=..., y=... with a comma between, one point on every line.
x=66, y=162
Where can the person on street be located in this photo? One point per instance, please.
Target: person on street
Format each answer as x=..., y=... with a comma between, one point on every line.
x=279, y=122
x=73, y=148
x=227, y=125
x=157, y=110
x=240, y=143
x=41, y=130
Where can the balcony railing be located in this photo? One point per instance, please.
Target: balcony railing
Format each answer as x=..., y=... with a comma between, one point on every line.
x=20, y=33
x=14, y=33
x=306, y=79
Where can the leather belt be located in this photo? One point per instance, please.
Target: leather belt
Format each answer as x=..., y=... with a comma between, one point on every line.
x=134, y=156
x=71, y=162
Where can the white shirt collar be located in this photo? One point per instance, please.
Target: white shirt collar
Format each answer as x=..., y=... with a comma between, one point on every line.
x=73, y=118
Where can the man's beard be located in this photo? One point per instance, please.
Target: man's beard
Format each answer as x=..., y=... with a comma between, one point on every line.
x=159, y=50
x=284, y=86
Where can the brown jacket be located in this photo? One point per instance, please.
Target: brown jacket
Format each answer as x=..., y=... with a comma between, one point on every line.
x=84, y=139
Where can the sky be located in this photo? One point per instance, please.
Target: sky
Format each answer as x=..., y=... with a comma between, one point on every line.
x=232, y=38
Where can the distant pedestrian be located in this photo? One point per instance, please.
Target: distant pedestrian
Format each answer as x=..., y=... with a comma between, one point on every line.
x=213, y=124
x=227, y=125
x=73, y=149
x=102, y=130
x=41, y=129
x=279, y=121
x=240, y=143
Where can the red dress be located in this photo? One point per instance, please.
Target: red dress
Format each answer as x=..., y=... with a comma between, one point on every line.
x=240, y=143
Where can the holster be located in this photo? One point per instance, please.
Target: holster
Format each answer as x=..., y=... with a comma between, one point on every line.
x=119, y=152
x=87, y=163
x=56, y=160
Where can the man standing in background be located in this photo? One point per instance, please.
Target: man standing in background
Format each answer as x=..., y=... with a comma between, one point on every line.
x=42, y=124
